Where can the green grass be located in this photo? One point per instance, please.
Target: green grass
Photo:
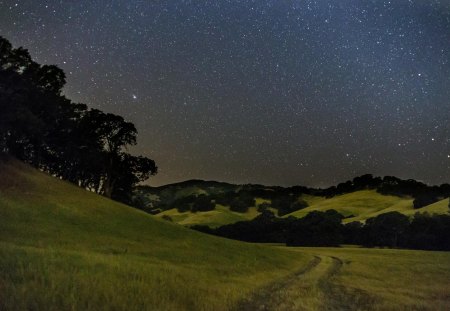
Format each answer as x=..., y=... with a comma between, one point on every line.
x=357, y=203
x=215, y=218
x=387, y=279
x=64, y=248
x=440, y=207
x=364, y=204
x=221, y=215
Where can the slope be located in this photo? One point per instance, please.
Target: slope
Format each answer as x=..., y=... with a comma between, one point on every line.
x=355, y=205
x=62, y=247
x=220, y=216
x=364, y=204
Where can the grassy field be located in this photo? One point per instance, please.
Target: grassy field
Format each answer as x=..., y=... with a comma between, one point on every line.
x=360, y=279
x=385, y=279
x=62, y=248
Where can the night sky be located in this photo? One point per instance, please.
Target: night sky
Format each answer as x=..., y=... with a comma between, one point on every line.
x=272, y=92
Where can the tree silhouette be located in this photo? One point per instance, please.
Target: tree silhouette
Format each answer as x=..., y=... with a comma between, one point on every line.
x=40, y=126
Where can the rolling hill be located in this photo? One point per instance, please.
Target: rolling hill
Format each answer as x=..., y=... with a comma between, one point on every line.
x=365, y=204
x=63, y=248
x=355, y=206
x=358, y=205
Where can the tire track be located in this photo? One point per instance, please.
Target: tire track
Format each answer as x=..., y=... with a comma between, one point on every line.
x=339, y=297
x=271, y=296
x=311, y=288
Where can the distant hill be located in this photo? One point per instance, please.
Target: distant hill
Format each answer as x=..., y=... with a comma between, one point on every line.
x=357, y=200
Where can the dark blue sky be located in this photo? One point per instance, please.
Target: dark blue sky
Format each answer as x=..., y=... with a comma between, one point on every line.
x=274, y=92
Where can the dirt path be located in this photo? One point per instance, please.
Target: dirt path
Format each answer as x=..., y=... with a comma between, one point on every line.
x=310, y=288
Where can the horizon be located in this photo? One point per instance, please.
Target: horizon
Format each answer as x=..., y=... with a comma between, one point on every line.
x=287, y=186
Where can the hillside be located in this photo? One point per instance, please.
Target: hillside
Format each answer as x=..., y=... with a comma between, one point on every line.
x=62, y=247
x=221, y=215
x=362, y=205
x=359, y=205
x=355, y=206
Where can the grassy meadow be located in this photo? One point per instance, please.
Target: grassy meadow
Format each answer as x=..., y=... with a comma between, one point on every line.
x=63, y=248
x=386, y=279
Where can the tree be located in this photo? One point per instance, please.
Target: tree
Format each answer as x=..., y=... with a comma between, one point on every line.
x=386, y=229
x=184, y=204
x=128, y=172
x=316, y=229
x=263, y=207
x=113, y=134
x=424, y=199
x=202, y=204
x=287, y=203
x=42, y=127
x=242, y=201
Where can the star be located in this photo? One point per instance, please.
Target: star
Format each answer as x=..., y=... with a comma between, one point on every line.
x=341, y=89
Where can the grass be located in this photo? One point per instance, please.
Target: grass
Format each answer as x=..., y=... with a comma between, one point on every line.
x=387, y=279
x=364, y=204
x=220, y=216
x=356, y=203
x=215, y=218
x=361, y=279
x=64, y=248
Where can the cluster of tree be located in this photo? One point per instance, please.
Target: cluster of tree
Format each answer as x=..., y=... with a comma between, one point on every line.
x=238, y=201
x=287, y=203
x=194, y=203
x=392, y=229
x=42, y=127
x=389, y=185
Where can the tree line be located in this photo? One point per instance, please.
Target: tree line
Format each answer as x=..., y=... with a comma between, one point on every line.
x=393, y=229
x=42, y=127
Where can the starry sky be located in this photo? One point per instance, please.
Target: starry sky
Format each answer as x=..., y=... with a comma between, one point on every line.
x=280, y=92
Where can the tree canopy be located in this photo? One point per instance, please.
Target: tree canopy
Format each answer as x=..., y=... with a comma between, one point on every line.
x=69, y=140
